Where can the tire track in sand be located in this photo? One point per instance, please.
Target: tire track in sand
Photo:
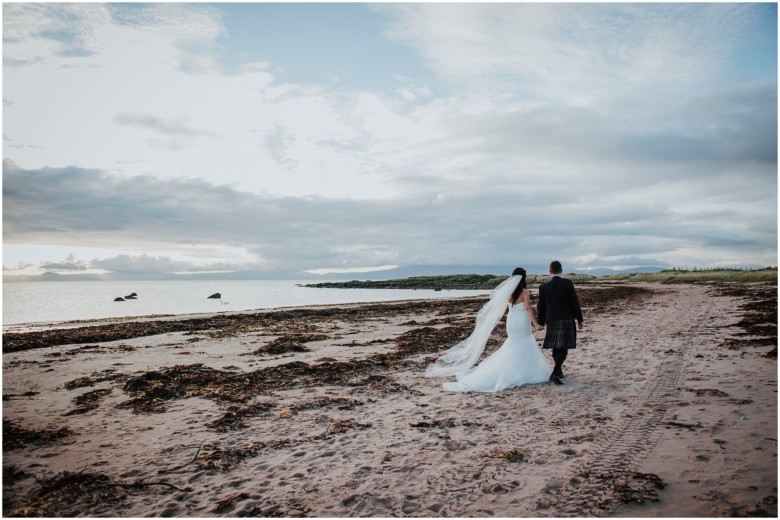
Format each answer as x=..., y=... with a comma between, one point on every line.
x=589, y=488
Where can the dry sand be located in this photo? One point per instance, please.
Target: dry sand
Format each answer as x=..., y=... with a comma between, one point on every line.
x=669, y=408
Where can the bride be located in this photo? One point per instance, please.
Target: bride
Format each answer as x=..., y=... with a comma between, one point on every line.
x=519, y=361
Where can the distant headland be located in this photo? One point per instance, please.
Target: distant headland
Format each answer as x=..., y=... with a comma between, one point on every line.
x=489, y=281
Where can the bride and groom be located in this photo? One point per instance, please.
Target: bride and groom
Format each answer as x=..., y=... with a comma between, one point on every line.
x=519, y=361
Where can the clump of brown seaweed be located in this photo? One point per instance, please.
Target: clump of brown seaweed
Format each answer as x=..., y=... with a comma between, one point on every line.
x=438, y=423
x=70, y=494
x=510, y=455
x=30, y=393
x=234, y=418
x=289, y=343
x=638, y=487
x=81, y=382
x=224, y=505
x=15, y=436
x=447, y=423
x=759, y=319
x=89, y=401
x=152, y=391
x=12, y=475
x=341, y=403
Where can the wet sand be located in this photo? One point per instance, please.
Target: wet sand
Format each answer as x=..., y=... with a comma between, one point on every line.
x=669, y=408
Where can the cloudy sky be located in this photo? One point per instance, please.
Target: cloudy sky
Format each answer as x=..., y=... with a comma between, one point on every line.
x=180, y=137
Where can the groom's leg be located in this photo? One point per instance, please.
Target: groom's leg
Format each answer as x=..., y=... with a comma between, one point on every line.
x=559, y=355
x=564, y=353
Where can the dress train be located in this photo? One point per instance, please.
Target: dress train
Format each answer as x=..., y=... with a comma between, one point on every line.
x=519, y=361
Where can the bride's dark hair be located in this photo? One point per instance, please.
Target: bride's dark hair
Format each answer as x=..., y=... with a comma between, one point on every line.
x=521, y=286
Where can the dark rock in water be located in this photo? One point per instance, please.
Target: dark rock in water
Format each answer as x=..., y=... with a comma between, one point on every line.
x=132, y=296
x=119, y=299
x=216, y=296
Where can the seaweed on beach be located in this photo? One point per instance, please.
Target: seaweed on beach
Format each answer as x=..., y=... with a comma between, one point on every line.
x=69, y=494
x=438, y=423
x=91, y=380
x=688, y=426
x=767, y=508
x=30, y=393
x=66, y=494
x=446, y=423
x=714, y=392
x=220, y=326
x=759, y=317
x=623, y=486
x=638, y=487
x=341, y=403
x=595, y=300
x=345, y=425
x=234, y=418
x=510, y=455
x=16, y=437
x=289, y=343
x=88, y=401
x=226, y=459
x=226, y=504
x=99, y=349
x=12, y=475
x=152, y=391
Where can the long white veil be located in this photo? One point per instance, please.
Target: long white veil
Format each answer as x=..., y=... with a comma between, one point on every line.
x=462, y=356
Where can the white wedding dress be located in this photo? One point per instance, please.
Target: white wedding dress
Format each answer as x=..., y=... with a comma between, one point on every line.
x=519, y=361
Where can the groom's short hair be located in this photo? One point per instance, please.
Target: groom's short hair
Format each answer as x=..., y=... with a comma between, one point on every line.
x=556, y=267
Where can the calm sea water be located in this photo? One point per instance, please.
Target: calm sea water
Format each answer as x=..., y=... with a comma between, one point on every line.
x=32, y=302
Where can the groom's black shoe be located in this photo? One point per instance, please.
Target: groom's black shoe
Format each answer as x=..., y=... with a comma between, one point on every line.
x=556, y=380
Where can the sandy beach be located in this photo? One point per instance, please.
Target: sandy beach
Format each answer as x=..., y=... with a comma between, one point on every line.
x=669, y=408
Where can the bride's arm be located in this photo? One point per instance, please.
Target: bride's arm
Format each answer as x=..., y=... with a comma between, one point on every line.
x=527, y=302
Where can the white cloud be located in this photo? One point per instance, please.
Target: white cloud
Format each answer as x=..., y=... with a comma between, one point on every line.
x=378, y=268
x=577, y=53
x=139, y=75
x=557, y=136
x=490, y=226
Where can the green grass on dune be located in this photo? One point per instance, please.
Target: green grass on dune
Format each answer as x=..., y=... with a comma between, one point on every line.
x=768, y=274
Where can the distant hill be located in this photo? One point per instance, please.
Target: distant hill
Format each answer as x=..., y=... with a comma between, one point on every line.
x=446, y=282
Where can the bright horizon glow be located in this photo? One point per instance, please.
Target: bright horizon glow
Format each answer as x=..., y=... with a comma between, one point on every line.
x=352, y=270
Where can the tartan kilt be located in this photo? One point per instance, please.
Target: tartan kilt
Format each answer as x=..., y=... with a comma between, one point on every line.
x=560, y=334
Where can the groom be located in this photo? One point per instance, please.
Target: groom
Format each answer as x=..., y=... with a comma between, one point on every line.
x=558, y=307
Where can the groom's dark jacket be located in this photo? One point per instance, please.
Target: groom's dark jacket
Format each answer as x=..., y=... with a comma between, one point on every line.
x=558, y=301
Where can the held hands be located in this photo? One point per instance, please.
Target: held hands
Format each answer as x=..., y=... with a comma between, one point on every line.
x=539, y=327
